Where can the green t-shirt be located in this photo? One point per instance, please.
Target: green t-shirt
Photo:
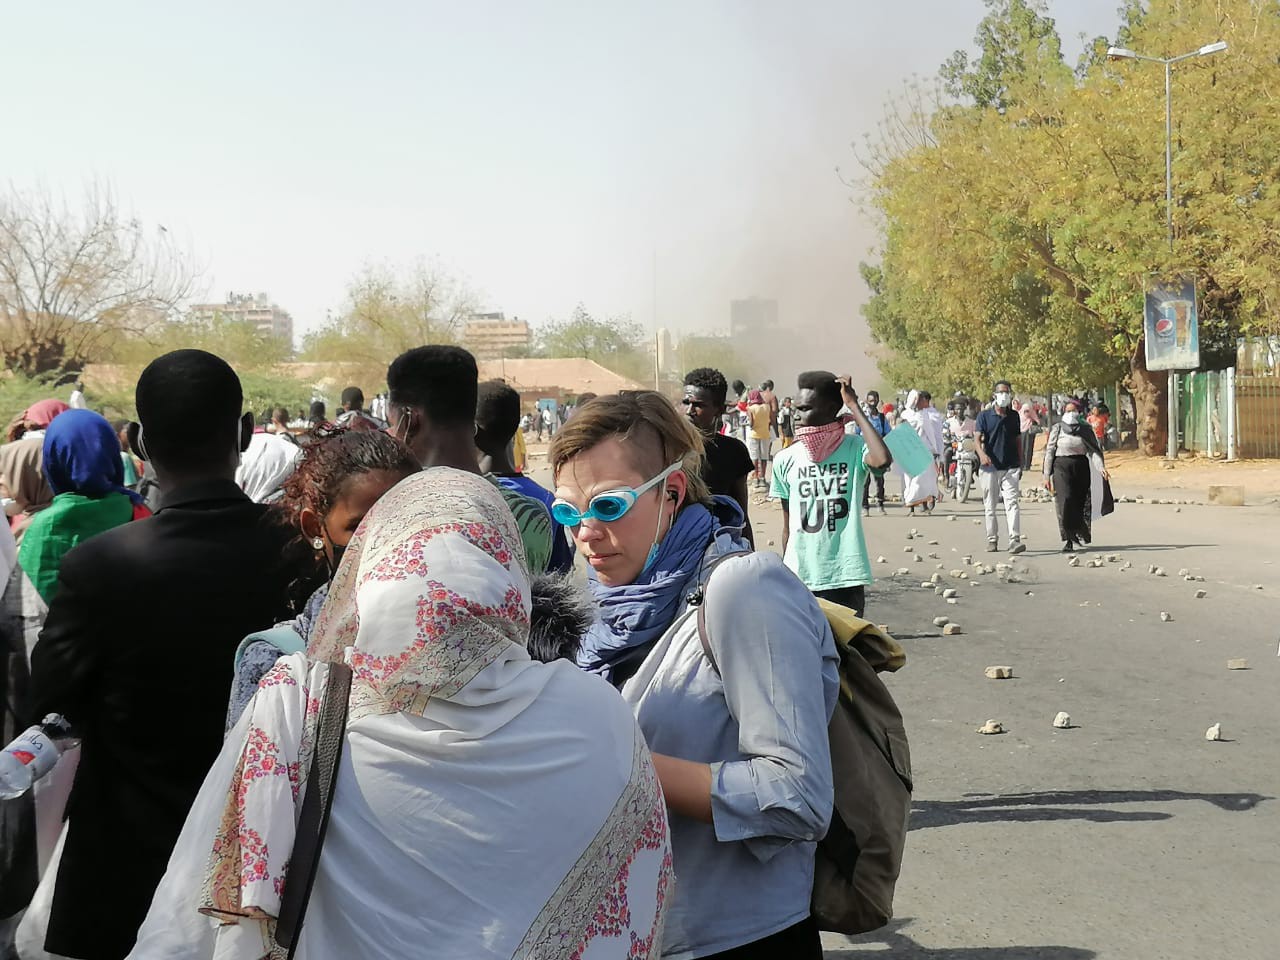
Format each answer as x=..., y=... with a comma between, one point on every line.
x=826, y=548
x=534, y=521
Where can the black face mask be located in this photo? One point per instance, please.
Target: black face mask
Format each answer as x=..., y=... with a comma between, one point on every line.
x=338, y=550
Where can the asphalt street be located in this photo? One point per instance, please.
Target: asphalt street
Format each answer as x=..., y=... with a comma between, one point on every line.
x=1129, y=836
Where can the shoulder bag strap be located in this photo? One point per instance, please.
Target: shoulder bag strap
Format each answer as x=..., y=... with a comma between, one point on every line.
x=703, y=637
x=316, y=804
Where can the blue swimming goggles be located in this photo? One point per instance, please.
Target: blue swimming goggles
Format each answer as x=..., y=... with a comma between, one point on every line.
x=608, y=506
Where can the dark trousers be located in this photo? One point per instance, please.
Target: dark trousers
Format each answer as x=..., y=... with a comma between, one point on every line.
x=878, y=480
x=800, y=942
x=855, y=598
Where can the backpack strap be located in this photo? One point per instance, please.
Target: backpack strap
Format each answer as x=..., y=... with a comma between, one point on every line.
x=313, y=821
x=703, y=637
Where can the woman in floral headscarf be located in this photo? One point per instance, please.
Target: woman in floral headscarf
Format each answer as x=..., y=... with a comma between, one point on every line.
x=486, y=805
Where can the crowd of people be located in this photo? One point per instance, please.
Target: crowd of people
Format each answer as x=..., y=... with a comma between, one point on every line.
x=524, y=764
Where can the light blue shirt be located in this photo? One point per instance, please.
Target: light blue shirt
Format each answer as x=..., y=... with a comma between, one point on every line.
x=761, y=723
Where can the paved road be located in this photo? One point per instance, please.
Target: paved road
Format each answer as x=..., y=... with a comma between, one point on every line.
x=1129, y=837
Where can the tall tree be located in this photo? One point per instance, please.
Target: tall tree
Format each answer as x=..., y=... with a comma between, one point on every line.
x=388, y=311
x=1023, y=224
x=613, y=342
x=73, y=280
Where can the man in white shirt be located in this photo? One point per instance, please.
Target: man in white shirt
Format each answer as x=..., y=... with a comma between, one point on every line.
x=77, y=396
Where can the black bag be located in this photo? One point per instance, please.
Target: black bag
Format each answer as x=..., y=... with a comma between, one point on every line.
x=1108, y=501
x=331, y=728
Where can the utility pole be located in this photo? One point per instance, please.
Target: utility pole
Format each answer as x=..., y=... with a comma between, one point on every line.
x=1120, y=53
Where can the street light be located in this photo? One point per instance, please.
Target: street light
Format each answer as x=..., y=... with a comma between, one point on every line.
x=1122, y=53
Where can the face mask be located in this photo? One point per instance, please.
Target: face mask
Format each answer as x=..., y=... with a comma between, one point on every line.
x=653, y=550
x=1003, y=399
x=1071, y=418
x=338, y=549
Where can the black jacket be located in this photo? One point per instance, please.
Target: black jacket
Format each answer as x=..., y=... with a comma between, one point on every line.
x=137, y=652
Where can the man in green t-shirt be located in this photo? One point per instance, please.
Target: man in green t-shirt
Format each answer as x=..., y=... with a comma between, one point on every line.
x=819, y=480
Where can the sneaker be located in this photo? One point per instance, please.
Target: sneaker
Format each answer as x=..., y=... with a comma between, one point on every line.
x=1016, y=547
x=882, y=513
x=993, y=546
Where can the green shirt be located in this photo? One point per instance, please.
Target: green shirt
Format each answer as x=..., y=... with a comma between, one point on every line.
x=534, y=522
x=70, y=519
x=826, y=548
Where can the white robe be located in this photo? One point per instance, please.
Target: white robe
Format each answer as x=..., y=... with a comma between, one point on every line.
x=928, y=424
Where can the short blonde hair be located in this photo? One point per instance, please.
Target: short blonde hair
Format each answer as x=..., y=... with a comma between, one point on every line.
x=648, y=425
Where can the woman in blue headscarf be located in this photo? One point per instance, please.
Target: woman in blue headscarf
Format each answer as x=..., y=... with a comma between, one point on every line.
x=82, y=464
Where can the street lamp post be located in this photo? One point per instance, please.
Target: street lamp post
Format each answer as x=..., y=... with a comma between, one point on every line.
x=1121, y=53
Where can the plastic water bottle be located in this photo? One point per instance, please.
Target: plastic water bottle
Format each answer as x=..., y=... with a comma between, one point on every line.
x=33, y=754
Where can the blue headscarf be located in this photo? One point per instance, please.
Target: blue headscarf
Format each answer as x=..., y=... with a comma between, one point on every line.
x=634, y=616
x=82, y=455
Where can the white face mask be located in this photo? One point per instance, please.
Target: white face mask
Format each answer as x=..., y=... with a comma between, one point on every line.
x=1071, y=418
x=1003, y=399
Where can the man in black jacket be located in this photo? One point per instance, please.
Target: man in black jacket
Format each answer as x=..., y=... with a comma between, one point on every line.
x=137, y=649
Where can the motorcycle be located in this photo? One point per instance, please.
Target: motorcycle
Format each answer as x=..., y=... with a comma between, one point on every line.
x=964, y=465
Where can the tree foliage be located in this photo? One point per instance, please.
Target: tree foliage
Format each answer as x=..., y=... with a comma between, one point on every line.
x=389, y=311
x=75, y=280
x=1021, y=217
x=615, y=343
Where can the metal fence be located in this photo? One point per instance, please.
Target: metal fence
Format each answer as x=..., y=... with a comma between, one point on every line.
x=1235, y=412
x=1256, y=392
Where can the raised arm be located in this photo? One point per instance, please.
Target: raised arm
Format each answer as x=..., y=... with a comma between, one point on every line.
x=877, y=450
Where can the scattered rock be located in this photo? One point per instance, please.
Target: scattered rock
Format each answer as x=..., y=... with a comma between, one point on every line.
x=919, y=559
x=1062, y=721
x=949, y=593
x=1240, y=664
x=1166, y=617
x=999, y=673
x=1257, y=586
x=963, y=575
x=991, y=727
x=952, y=600
x=1226, y=495
x=1201, y=594
x=933, y=543
x=977, y=522
x=1096, y=563
x=952, y=630
x=940, y=621
x=1004, y=568
x=1127, y=565
x=903, y=571
x=1184, y=572
x=953, y=518
x=1073, y=561
x=908, y=549
x=768, y=543
x=915, y=532
x=1152, y=569
x=1177, y=509
x=1214, y=732
x=1112, y=558
x=1160, y=572
x=957, y=574
x=966, y=560
x=926, y=584
x=882, y=559
x=934, y=556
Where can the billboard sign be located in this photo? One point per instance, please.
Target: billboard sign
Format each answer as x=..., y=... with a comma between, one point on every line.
x=1171, y=325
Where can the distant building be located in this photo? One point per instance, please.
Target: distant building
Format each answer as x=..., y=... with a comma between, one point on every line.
x=754, y=315
x=491, y=336
x=265, y=316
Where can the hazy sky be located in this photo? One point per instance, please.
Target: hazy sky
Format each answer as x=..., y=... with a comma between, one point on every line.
x=543, y=150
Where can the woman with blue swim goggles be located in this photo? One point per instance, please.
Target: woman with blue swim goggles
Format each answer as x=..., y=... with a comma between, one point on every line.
x=614, y=505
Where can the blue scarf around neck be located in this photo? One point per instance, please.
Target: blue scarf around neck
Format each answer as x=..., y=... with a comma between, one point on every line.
x=634, y=616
